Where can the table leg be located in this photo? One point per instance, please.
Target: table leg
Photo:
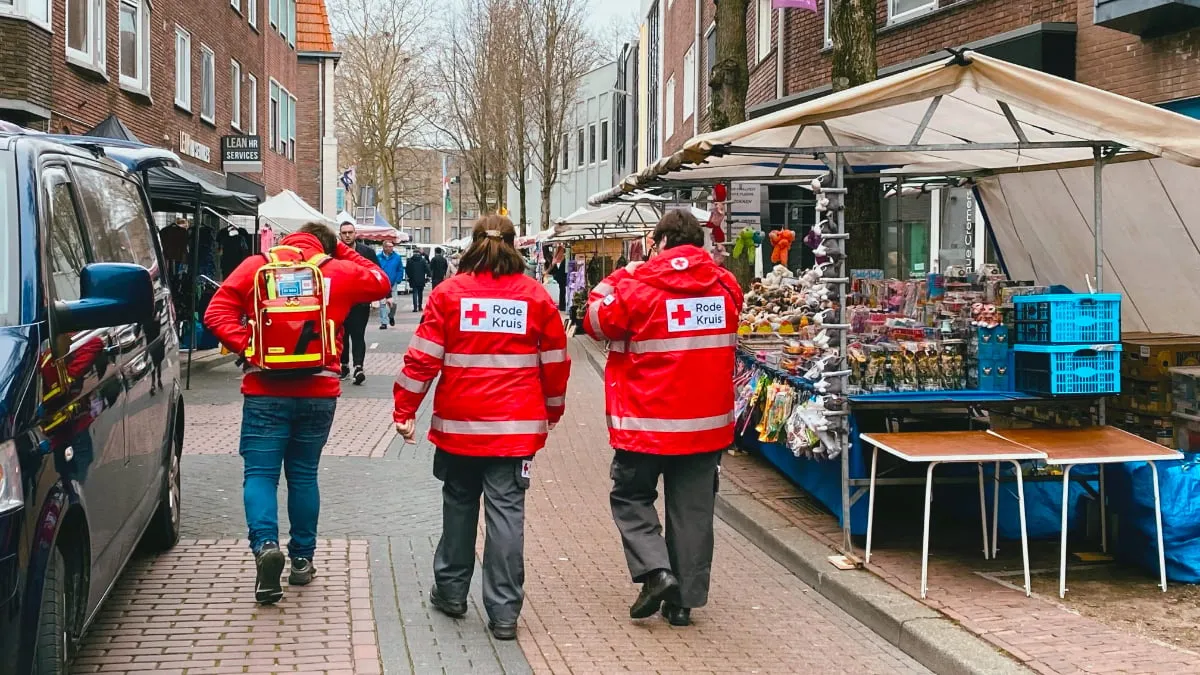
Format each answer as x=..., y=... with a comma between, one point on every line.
x=1103, y=514
x=1162, y=556
x=983, y=519
x=1021, y=513
x=925, y=532
x=995, y=510
x=871, y=503
x=1062, y=546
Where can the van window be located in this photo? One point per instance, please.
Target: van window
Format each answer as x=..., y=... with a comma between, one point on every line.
x=8, y=240
x=117, y=224
x=67, y=255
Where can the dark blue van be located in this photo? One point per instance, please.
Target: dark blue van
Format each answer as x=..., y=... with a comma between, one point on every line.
x=91, y=411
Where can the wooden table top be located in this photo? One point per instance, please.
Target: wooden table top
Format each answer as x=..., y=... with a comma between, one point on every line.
x=951, y=446
x=1089, y=445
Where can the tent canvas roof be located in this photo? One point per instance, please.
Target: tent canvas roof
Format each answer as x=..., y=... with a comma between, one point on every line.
x=971, y=116
x=620, y=220
x=289, y=212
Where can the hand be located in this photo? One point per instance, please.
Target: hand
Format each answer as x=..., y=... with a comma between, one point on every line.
x=408, y=430
x=632, y=267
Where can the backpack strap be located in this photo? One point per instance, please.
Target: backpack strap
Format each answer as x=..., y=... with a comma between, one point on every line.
x=319, y=259
x=272, y=254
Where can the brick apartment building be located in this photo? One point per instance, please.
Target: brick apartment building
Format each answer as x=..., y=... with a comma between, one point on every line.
x=181, y=75
x=419, y=199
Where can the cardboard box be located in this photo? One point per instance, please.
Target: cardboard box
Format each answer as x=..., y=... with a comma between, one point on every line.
x=1187, y=432
x=1185, y=389
x=1151, y=358
x=1153, y=398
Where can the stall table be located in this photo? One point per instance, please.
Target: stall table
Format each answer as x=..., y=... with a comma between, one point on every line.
x=1094, y=445
x=946, y=447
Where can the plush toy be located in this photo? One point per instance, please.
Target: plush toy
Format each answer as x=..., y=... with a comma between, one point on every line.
x=715, y=219
x=781, y=241
x=744, y=244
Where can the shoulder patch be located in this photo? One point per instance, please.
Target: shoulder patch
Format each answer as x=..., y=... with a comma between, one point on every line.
x=610, y=299
x=679, y=263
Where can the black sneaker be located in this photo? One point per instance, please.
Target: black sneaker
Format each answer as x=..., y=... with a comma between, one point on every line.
x=345, y=372
x=359, y=375
x=303, y=572
x=269, y=562
x=392, y=319
x=383, y=326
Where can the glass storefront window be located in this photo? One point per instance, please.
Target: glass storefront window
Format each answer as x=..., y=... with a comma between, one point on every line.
x=906, y=235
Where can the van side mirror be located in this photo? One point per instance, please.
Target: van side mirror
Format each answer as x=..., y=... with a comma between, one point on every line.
x=111, y=294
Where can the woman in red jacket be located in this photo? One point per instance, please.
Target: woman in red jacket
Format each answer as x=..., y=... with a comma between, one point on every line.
x=496, y=337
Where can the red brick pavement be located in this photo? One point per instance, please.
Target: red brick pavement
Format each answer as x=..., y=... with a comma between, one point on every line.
x=760, y=618
x=192, y=610
x=1045, y=635
x=362, y=427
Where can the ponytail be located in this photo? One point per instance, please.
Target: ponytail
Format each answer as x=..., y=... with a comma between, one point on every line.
x=493, y=248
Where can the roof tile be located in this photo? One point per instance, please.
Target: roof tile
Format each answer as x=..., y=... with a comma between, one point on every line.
x=312, y=27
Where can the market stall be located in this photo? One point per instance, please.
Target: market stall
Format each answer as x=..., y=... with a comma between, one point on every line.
x=288, y=212
x=832, y=349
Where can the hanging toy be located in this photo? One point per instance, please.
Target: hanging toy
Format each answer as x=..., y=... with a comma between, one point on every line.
x=781, y=241
x=715, y=219
x=813, y=239
x=744, y=245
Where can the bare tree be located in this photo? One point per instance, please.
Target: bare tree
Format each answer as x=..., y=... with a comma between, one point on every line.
x=560, y=51
x=383, y=89
x=621, y=29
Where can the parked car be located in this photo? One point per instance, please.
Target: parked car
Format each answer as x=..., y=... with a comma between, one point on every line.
x=91, y=410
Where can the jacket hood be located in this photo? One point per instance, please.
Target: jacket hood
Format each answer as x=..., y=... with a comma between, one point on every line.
x=303, y=241
x=683, y=268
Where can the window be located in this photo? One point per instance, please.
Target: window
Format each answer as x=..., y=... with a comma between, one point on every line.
x=252, y=110
x=291, y=22
x=235, y=93
x=899, y=10
x=669, y=109
x=566, y=153
x=37, y=11
x=183, y=69
x=291, y=127
x=283, y=121
x=275, y=12
x=592, y=143
x=762, y=19
x=67, y=255
x=428, y=212
x=135, y=45
x=116, y=221
x=235, y=4
x=85, y=33
x=274, y=121
x=580, y=158
x=828, y=23
x=428, y=235
x=689, y=82
x=604, y=140
x=252, y=12
x=208, y=85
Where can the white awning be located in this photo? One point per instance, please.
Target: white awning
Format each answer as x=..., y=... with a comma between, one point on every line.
x=288, y=212
x=620, y=220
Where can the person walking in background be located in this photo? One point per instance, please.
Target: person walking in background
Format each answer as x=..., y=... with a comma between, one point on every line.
x=356, y=321
x=286, y=415
x=559, y=273
x=417, y=270
x=496, y=339
x=392, y=264
x=438, y=267
x=669, y=398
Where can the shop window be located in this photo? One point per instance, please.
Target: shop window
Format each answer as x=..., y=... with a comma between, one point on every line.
x=689, y=82
x=252, y=110
x=762, y=22
x=901, y=10
x=134, y=49
x=35, y=11
x=906, y=229
x=85, y=33
x=183, y=69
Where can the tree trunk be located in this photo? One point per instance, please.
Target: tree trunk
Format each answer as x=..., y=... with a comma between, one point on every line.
x=730, y=75
x=853, y=33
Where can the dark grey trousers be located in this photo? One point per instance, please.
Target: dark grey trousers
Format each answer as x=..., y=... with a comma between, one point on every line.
x=690, y=487
x=502, y=484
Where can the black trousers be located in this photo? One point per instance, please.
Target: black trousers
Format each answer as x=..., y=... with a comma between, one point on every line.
x=418, y=293
x=355, y=328
x=562, y=295
x=690, y=486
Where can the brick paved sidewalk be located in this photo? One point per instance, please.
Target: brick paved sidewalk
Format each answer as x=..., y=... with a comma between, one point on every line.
x=760, y=618
x=191, y=610
x=1039, y=631
x=362, y=427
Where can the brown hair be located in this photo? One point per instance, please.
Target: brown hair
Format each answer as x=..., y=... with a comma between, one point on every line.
x=680, y=228
x=326, y=236
x=492, y=248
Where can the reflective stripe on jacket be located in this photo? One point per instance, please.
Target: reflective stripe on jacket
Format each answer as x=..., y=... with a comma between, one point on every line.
x=672, y=327
x=501, y=350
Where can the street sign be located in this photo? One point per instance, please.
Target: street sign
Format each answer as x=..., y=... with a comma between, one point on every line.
x=241, y=154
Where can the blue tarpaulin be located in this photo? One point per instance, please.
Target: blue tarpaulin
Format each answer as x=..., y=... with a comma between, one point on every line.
x=1131, y=500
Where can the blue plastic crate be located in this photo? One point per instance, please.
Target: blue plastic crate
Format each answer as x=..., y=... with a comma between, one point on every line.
x=1068, y=369
x=1068, y=318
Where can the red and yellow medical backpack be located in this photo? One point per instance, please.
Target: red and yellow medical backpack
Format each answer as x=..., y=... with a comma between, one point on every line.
x=290, y=330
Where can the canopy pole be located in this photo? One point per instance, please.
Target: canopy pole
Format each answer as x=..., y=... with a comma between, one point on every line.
x=837, y=199
x=1098, y=215
x=191, y=315
x=256, y=244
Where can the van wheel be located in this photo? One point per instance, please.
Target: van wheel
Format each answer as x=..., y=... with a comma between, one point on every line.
x=51, y=657
x=163, y=533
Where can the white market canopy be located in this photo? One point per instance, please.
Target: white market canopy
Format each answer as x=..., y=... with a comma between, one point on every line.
x=621, y=220
x=968, y=115
x=287, y=213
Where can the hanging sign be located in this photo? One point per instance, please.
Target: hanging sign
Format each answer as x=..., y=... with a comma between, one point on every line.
x=193, y=148
x=241, y=154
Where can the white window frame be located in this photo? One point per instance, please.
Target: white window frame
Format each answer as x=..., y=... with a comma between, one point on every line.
x=236, y=5
x=897, y=17
x=829, y=22
x=252, y=13
x=762, y=29
x=669, y=107
x=185, y=69
x=689, y=82
x=593, y=138
x=273, y=15
x=291, y=28
x=708, y=64
x=94, y=58
x=566, y=153
x=274, y=114
x=140, y=83
x=235, y=94
x=291, y=154
x=20, y=9
x=605, y=131
x=211, y=117
x=252, y=123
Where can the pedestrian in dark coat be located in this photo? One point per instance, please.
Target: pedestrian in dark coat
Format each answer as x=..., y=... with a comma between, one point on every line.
x=438, y=267
x=418, y=271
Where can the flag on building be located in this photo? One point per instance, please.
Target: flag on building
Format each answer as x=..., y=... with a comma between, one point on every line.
x=810, y=5
x=446, y=188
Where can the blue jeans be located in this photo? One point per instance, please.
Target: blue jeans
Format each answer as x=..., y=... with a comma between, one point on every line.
x=387, y=312
x=289, y=433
